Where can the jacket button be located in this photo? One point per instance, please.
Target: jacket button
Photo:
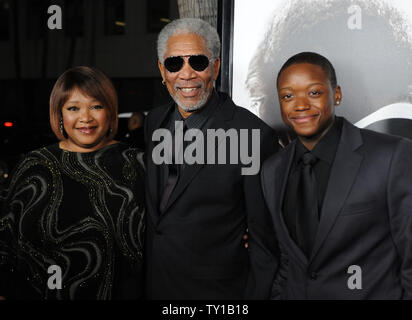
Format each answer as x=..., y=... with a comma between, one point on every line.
x=313, y=275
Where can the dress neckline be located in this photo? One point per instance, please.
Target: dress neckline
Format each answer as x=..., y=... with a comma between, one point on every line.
x=109, y=146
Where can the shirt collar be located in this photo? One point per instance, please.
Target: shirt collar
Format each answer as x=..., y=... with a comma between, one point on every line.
x=198, y=118
x=326, y=148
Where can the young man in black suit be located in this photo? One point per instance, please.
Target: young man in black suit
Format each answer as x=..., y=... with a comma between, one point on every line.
x=197, y=213
x=340, y=197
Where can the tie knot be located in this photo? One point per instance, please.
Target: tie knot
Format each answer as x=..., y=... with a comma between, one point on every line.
x=308, y=159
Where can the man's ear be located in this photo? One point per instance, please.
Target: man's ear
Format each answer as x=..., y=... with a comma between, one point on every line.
x=337, y=96
x=216, y=68
x=162, y=69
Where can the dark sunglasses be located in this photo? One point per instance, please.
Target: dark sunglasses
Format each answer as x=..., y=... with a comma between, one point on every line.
x=197, y=62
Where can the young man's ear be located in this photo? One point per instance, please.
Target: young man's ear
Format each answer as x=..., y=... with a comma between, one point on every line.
x=338, y=96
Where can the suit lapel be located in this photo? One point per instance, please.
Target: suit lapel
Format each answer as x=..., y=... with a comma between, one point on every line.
x=343, y=174
x=153, y=170
x=275, y=180
x=223, y=113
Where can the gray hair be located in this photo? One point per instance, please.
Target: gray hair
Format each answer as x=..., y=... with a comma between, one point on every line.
x=188, y=26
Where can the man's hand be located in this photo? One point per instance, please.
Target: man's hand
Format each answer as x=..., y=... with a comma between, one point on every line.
x=245, y=237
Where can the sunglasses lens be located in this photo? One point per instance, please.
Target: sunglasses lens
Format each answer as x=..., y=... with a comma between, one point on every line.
x=199, y=62
x=174, y=64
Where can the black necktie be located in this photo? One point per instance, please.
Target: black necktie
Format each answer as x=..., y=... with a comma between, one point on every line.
x=170, y=185
x=173, y=175
x=308, y=215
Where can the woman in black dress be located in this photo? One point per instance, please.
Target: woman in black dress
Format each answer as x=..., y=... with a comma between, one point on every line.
x=72, y=226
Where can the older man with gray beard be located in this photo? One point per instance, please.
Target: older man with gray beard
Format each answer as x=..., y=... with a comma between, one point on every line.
x=198, y=213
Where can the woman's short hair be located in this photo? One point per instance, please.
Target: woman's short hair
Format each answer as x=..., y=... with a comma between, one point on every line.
x=90, y=82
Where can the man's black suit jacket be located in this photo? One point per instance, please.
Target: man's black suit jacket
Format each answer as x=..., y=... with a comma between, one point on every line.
x=194, y=249
x=366, y=222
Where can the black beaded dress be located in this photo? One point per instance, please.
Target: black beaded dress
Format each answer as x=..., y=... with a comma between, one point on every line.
x=74, y=217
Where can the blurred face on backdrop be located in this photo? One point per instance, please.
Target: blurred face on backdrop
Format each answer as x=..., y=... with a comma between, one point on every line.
x=364, y=58
x=86, y=122
x=189, y=72
x=307, y=101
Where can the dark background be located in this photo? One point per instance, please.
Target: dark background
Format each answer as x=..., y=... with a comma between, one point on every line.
x=116, y=36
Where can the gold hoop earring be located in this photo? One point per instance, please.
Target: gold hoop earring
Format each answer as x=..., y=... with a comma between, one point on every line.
x=163, y=82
